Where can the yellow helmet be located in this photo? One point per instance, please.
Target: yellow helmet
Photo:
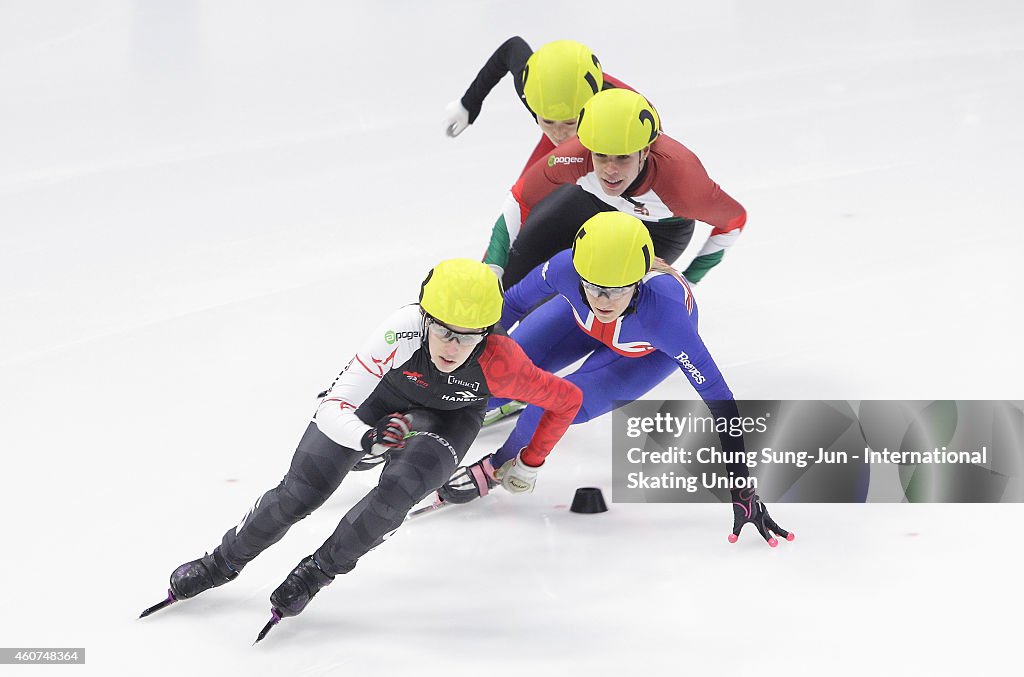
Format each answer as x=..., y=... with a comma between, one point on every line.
x=612, y=249
x=618, y=122
x=462, y=293
x=559, y=78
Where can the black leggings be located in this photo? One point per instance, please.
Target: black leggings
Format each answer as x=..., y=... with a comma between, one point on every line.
x=439, y=443
x=552, y=225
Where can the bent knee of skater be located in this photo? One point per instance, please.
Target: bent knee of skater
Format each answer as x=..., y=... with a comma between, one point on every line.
x=583, y=415
x=591, y=410
x=399, y=494
x=297, y=500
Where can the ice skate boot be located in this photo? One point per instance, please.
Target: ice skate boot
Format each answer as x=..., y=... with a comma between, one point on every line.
x=201, y=574
x=301, y=585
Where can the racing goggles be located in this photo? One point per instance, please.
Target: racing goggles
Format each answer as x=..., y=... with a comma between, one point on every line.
x=446, y=333
x=611, y=293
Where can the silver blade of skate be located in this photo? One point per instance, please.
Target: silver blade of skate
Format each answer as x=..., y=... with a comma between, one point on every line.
x=433, y=506
x=507, y=410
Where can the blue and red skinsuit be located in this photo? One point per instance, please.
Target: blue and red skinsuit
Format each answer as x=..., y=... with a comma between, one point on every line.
x=628, y=357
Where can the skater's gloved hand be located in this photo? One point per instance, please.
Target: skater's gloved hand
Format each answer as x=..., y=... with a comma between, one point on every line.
x=498, y=270
x=456, y=119
x=747, y=507
x=516, y=476
x=388, y=434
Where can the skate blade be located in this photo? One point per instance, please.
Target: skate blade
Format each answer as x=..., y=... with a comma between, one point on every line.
x=275, y=618
x=438, y=504
x=504, y=412
x=160, y=605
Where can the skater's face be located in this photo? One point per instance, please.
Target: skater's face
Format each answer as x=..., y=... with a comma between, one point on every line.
x=450, y=346
x=616, y=172
x=608, y=303
x=558, y=130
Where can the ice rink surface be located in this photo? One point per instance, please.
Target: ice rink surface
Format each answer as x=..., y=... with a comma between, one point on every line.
x=204, y=206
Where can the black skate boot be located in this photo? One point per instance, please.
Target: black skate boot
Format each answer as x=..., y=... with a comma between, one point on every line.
x=201, y=574
x=469, y=482
x=301, y=585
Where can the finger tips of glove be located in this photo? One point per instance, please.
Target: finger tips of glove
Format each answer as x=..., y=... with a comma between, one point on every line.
x=773, y=542
x=733, y=538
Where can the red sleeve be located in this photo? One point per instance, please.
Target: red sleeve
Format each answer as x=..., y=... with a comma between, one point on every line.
x=684, y=185
x=510, y=373
x=571, y=161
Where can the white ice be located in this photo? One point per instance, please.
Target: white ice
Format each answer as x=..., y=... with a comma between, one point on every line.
x=204, y=204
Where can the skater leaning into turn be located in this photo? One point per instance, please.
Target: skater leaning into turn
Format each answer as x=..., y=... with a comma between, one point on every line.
x=632, y=319
x=620, y=161
x=553, y=83
x=413, y=399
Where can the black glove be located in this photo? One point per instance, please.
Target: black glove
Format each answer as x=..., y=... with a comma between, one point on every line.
x=747, y=507
x=389, y=434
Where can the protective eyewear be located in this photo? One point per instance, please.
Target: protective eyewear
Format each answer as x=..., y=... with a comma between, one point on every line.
x=446, y=333
x=611, y=293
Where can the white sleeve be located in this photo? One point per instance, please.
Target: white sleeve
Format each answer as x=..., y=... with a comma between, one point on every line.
x=390, y=345
x=511, y=210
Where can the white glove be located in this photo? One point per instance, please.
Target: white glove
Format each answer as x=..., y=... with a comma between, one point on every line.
x=498, y=270
x=456, y=119
x=517, y=477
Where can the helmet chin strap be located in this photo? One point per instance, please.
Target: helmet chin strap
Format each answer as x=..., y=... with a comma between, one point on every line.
x=583, y=295
x=423, y=329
